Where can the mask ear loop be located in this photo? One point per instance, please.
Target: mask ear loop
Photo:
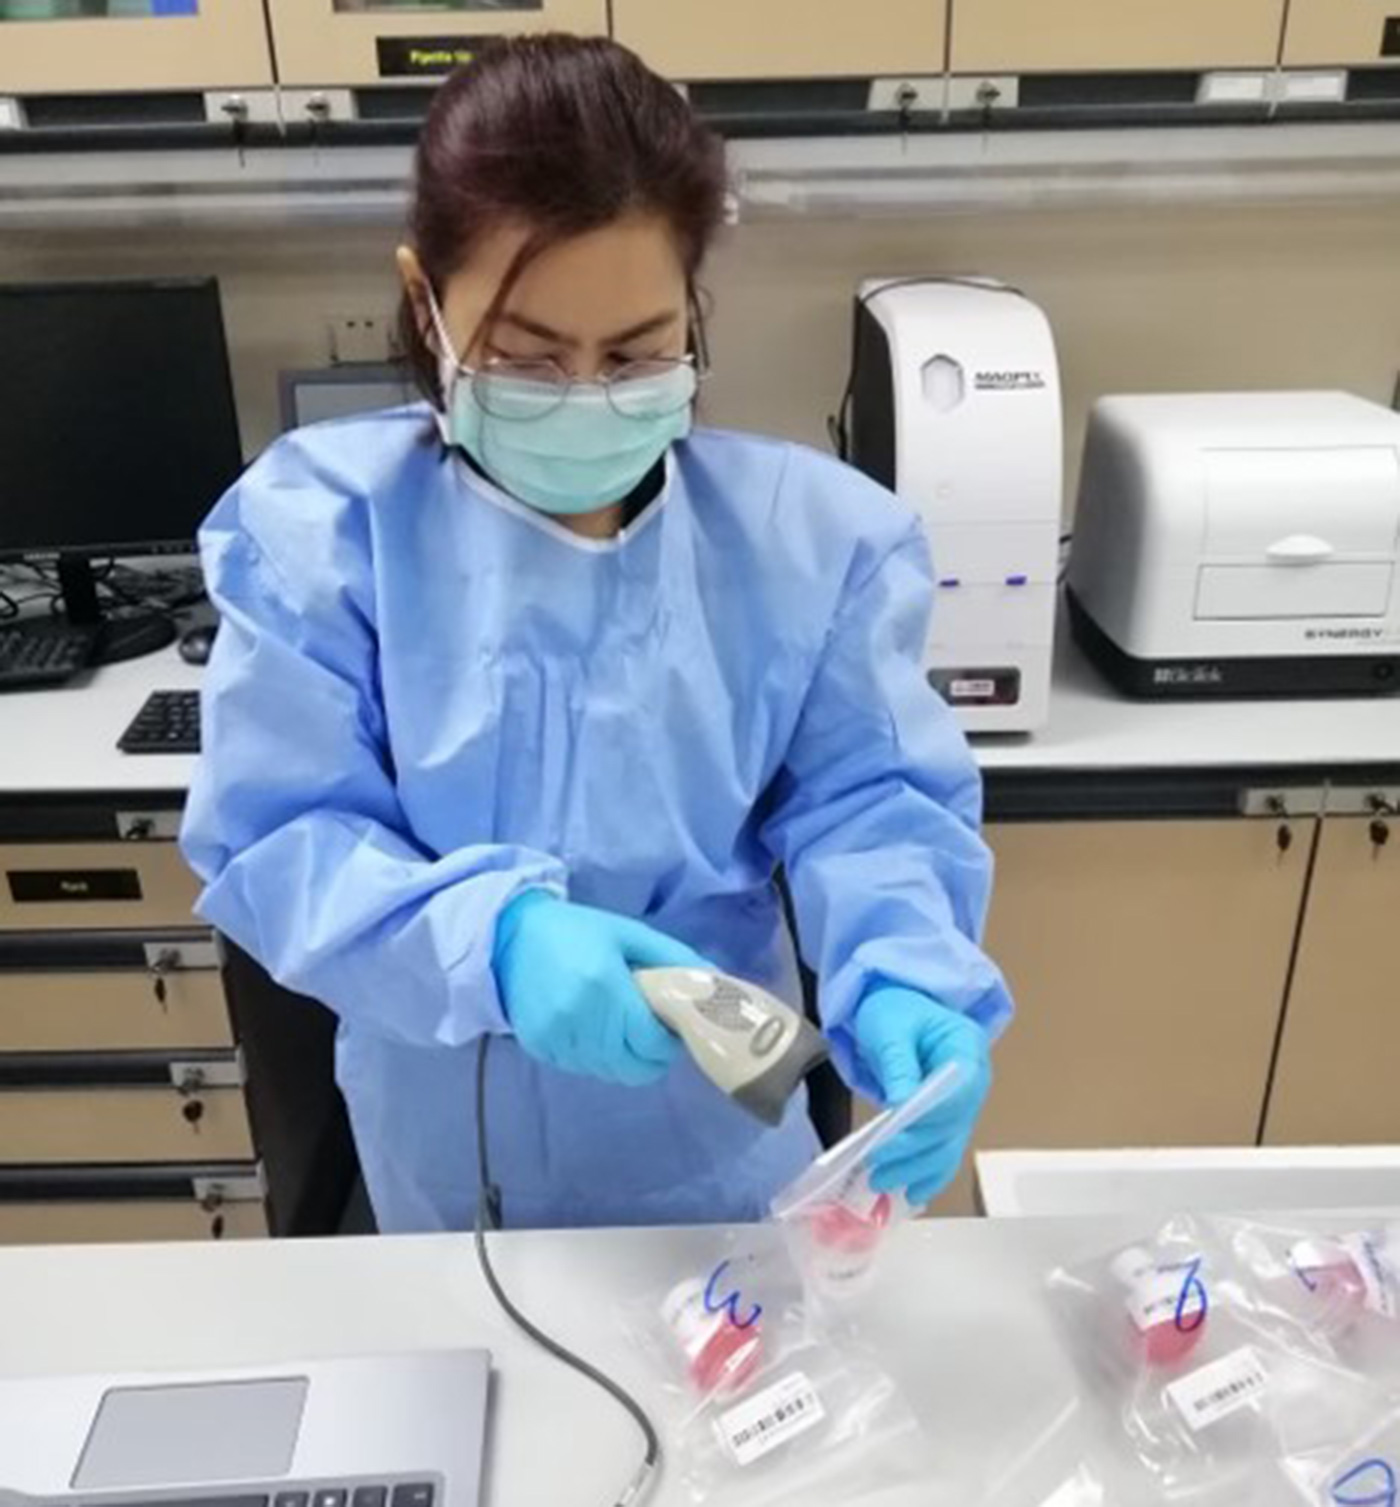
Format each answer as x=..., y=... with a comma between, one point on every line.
x=698, y=343
x=449, y=364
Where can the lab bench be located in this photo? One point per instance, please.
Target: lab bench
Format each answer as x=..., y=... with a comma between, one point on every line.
x=960, y=1322
x=1193, y=906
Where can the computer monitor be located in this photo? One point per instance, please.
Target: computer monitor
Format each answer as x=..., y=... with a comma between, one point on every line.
x=118, y=430
x=312, y=394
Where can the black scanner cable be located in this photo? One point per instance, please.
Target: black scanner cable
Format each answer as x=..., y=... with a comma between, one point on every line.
x=488, y=1218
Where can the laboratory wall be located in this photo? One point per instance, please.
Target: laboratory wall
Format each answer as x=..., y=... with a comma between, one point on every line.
x=1141, y=298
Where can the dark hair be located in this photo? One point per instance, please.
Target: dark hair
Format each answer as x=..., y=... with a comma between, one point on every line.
x=563, y=135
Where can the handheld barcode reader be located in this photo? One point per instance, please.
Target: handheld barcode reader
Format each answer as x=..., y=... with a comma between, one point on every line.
x=751, y=1045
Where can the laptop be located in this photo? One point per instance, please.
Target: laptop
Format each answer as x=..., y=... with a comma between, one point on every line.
x=380, y=1431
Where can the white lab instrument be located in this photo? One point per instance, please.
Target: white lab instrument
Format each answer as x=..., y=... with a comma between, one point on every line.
x=955, y=405
x=1240, y=544
x=378, y=1431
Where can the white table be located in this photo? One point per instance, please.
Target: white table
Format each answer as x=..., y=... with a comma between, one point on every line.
x=960, y=1322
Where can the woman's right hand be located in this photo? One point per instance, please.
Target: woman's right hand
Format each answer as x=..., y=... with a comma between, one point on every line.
x=565, y=977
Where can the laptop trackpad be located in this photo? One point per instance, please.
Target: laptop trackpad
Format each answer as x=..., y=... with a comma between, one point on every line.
x=193, y=1435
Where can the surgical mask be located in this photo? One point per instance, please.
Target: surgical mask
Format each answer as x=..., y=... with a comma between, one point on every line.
x=564, y=446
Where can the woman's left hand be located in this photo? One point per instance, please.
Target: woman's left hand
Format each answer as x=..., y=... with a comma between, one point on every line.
x=903, y=1037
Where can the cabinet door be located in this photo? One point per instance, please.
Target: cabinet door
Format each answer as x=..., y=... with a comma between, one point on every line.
x=116, y=1221
x=100, y=1126
x=1148, y=960
x=113, y=1012
x=1070, y=36
x=76, y=46
x=1342, y=31
x=376, y=41
x=80, y=886
x=727, y=39
x=1335, y=1081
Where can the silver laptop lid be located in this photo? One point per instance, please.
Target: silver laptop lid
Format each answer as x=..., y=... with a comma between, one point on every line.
x=377, y=1431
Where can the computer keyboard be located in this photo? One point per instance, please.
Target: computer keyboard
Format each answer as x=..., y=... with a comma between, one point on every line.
x=167, y=723
x=346, y=1494
x=47, y=654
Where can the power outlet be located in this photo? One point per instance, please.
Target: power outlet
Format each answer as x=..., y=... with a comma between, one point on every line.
x=359, y=337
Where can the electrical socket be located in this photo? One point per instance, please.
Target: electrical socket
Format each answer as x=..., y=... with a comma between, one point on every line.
x=359, y=337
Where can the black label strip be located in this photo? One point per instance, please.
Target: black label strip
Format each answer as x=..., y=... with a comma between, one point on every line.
x=424, y=57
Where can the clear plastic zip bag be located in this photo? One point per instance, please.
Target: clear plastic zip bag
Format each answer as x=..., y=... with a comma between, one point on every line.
x=835, y=1223
x=1341, y=1290
x=1054, y=1468
x=757, y=1403
x=1363, y=1472
x=1201, y=1388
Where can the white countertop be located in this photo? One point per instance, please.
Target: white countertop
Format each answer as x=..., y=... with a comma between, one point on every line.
x=959, y=1321
x=64, y=741
x=1093, y=728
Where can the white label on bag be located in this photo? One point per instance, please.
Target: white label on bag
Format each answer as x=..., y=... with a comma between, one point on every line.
x=1219, y=1389
x=769, y=1418
x=1173, y=1296
x=1376, y=1275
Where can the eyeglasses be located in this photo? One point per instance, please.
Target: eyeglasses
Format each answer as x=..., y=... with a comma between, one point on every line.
x=523, y=391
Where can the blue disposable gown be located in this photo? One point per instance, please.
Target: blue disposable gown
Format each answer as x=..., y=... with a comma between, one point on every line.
x=425, y=697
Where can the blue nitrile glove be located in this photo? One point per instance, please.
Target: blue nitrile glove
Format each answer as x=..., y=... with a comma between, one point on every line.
x=903, y=1037
x=565, y=977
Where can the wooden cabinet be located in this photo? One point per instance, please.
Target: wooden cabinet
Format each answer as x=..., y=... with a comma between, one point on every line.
x=1335, y=1080
x=54, y=47
x=79, y=886
x=93, y=1223
x=1148, y=960
x=372, y=41
x=728, y=39
x=1333, y=32
x=94, y=1125
x=113, y=1010
x=153, y=1084
x=1070, y=36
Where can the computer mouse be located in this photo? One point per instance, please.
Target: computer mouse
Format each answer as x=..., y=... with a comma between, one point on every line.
x=198, y=643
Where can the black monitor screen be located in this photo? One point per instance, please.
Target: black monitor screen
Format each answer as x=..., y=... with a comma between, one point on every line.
x=117, y=424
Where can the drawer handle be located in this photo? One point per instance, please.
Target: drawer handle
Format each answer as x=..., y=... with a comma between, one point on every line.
x=165, y=960
x=189, y=1084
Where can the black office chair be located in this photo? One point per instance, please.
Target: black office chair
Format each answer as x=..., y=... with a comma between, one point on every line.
x=829, y=1100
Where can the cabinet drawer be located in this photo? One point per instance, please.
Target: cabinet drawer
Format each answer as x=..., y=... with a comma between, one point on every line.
x=1339, y=32
x=77, y=885
x=1015, y=36
x=112, y=1011
x=730, y=39
x=100, y=1125
x=102, y=1222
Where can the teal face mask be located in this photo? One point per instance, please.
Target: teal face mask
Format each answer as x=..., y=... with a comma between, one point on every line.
x=565, y=447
